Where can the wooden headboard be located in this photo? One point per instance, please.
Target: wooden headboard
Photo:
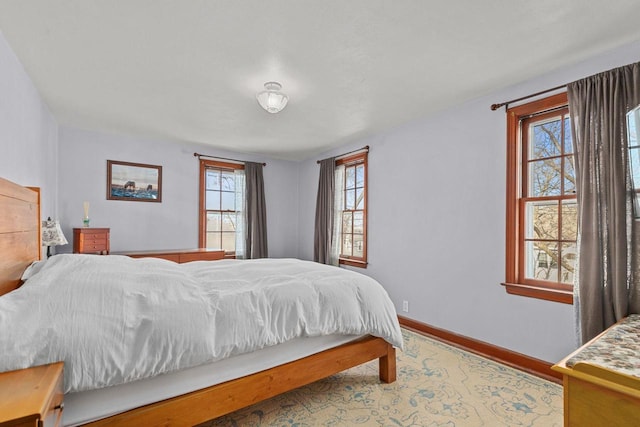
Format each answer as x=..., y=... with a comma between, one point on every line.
x=19, y=232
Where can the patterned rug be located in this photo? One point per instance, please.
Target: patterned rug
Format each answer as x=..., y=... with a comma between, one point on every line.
x=437, y=386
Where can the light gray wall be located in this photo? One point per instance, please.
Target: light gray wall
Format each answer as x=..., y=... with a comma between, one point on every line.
x=437, y=221
x=28, y=132
x=174, y=222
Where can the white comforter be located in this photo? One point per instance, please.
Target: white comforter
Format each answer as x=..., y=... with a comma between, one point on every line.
x=114, y=319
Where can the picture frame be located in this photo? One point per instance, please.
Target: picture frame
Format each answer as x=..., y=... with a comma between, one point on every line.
x=135, y=182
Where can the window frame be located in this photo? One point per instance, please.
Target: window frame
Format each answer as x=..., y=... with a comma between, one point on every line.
x=202, y=211
x=515, y=282
x=635, y=112
x=352, y=160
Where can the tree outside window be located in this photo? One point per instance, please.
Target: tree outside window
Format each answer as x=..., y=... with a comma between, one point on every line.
x=549, y=228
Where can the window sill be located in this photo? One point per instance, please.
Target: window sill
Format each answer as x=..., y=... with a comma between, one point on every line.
x=556, y=295
x=353, y=263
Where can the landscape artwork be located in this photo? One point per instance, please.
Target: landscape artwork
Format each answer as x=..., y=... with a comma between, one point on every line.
x=134, y=181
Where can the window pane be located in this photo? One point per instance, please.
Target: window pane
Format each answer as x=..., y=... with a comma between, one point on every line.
x=213, y=179
x=634, y=163
x=360, y=198
x=213, y=240
x=214, y=221
x=542, y=261
x=567, y=269
x=633, y=133
x=350, y=203
x=351, y=177
x=213, y=200
x=569, y=220
x=346, y=222
x=569, y=176
x=228, y=181
x=358, y=222
x=358, y=245
x=544, y=178
x=346, y=245
x=229, y=242
x=545, y=140
x=568, y=145
x=229, y=222
x=542, y=220
x=360, y=176
x=228, y=201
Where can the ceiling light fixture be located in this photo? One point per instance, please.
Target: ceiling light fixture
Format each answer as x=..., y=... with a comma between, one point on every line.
x=271, y=99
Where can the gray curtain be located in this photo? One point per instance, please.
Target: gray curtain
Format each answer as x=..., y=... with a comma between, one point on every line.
x=324, y=212
x=255, y=212
x=598, y=107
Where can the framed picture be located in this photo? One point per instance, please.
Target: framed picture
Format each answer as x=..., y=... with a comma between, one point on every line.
x=134, y=181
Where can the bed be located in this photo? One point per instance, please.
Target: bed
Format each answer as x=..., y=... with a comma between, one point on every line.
x=274, y=369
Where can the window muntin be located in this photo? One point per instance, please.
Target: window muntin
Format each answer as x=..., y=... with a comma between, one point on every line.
x=219, y=209
x=353, y=228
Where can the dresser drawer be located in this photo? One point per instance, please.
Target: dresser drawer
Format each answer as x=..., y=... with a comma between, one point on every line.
x=88, y=237
x=53, y=416
x=93, y=246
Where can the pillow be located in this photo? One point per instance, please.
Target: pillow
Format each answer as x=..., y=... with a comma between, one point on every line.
x=32, y=270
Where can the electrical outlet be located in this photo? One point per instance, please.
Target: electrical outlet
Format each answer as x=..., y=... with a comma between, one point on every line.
x=405, y=306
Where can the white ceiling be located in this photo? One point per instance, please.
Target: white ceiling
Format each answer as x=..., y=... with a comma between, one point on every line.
x=188, y=70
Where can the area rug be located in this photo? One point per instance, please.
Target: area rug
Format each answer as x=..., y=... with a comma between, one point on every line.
x=437, y=386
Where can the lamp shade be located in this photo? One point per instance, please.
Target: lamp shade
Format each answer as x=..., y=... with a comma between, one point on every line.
x=271, y=99
x=52, y=233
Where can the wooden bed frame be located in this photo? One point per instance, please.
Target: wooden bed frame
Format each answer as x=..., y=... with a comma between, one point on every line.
x=20, y=246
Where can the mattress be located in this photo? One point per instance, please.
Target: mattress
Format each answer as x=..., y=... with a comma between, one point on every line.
x=92, y=405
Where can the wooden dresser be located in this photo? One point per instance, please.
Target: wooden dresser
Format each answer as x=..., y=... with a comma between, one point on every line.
x=32, y=397
x=88, y=240
x=179, y=256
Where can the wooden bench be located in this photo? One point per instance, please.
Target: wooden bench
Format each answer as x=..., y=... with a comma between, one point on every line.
x=601, y=379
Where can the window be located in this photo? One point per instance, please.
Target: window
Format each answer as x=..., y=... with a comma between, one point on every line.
x=541, y=201
x=351, y=205
x=221, y=199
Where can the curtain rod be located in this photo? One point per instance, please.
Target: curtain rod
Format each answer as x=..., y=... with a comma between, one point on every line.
x=198, y=155
x=494, y=107
x=366, y=147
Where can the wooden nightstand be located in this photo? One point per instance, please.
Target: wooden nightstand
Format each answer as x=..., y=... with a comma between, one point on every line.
x=32, y=397
x=91, y=241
